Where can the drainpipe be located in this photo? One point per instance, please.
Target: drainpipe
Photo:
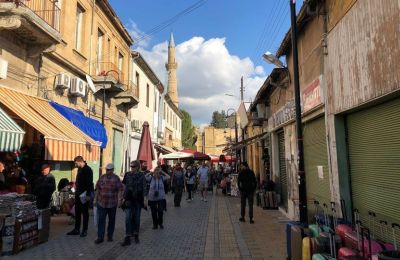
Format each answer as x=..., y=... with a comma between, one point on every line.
x=40, y=65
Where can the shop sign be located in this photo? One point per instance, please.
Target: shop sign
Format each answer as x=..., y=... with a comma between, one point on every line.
x=284, y=114
x=311, y=96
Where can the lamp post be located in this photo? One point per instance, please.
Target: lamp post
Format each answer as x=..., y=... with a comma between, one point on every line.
x=301, y=173
x=103, y=110
x=301, y=176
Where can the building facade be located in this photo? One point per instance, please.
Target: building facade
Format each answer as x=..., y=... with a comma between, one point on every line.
x=72, y=62
x=349, y=105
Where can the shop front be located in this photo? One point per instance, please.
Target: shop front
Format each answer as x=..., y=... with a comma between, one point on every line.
x=373, y=143
x=32, y=132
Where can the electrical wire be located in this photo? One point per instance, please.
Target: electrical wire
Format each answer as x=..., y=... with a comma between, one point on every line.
x=162, y=26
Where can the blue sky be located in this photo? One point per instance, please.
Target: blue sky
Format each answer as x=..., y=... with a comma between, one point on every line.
x=217, y=43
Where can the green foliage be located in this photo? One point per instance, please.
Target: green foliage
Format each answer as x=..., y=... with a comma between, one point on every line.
x=219, y=119
x=189, y=137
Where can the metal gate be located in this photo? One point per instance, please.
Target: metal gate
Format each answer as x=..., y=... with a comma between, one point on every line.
x=282, y=170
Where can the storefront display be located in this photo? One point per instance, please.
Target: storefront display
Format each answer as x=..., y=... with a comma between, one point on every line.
x=22, y=224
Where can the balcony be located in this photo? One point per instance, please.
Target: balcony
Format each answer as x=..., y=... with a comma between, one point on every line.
x=128, y=98
x=109, y=76
x=35, y=22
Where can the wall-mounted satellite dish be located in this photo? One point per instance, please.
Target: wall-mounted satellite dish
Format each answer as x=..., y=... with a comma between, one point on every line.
x=90, y=83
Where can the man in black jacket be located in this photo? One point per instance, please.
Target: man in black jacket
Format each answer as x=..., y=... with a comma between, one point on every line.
x=247, y=185
x=84, y=183
x=45, y=185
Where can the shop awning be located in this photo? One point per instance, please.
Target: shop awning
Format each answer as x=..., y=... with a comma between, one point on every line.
x=63, y=140
x=89, y=126
x=163, y=149
x=247, y=141
x=11, y=135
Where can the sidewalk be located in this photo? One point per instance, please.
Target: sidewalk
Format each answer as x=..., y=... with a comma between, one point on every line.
x=196, y=230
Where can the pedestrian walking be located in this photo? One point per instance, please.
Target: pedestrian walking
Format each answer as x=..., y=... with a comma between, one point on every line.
x=107, y=196
x=190, y=176
x=156, y=196
x=178, y=182
x=83, y=191
x=247, y=185
x=45, y=185
x=203, y=172
x=133, y=201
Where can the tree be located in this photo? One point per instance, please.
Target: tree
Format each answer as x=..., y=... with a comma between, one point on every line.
x=219, y=119
x=189, y=136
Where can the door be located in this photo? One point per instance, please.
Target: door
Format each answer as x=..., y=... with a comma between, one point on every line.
x=117, y=151
x=316, y=163
x=373, y=139
x=282, y=170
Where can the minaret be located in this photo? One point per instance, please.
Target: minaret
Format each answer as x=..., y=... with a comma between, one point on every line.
x=171, y=67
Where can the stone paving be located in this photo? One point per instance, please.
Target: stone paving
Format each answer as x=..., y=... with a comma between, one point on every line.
x=196, y=230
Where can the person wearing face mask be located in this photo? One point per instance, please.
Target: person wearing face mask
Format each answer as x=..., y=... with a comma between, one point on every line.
x=156, y=195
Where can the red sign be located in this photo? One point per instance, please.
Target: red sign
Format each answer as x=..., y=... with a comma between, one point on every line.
x=311, y=96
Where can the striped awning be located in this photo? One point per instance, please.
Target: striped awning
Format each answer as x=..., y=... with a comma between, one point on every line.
x=63, y=140
x=11, y=135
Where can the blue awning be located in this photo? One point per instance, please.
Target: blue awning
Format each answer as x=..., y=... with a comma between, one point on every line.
x=91, y=127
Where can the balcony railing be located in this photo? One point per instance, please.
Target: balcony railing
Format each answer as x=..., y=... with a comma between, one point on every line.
x=45, y=9
x=111, y=70
x=133, y=89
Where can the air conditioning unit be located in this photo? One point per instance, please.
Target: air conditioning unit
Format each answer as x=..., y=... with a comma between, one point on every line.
x=62, y=81
x=78, y=87
x=3, y=68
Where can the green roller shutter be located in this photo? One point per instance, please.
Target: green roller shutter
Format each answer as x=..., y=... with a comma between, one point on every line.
x=282, y=170
x=117, y=152
x=374, y=156
x=315, y=154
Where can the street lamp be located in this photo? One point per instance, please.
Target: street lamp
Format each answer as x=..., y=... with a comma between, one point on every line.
x=103, y=109
x=270, y=58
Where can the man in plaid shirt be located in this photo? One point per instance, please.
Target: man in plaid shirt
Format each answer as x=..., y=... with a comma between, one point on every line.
x=108, y=189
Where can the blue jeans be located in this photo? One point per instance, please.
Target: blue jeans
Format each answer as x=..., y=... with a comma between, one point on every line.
x=101, y=225
x=132, y=219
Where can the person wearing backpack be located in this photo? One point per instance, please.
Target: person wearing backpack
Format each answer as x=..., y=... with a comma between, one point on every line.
x=156, y=196
x=178, y=182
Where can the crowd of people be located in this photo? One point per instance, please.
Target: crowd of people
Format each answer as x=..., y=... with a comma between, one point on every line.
x=139, y=189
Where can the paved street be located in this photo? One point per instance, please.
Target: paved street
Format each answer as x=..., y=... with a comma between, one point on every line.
x=197, y=230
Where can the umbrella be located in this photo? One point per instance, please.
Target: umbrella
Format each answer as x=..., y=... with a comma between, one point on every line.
x=176, y=156
x=196, y=155
x=146, y=152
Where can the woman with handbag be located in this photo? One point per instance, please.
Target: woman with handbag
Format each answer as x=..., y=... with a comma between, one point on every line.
x=156, y=196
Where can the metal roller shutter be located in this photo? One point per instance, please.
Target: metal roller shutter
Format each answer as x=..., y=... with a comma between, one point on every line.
x=315, y=154
x=374, y=156
x=282, y=170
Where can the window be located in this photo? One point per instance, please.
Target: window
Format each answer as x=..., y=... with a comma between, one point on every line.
x=148, y=95
x=165, y=111
x=120, y=61
x=99, y=50
x=78, y=28
x=155, y=102
x=137, y=79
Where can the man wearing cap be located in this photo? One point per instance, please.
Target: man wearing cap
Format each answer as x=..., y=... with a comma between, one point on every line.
x=108, y=191
x=133, y=201
x=83, y=185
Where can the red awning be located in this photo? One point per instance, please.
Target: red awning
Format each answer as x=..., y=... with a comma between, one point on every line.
x=196, y=155
x=146, y=152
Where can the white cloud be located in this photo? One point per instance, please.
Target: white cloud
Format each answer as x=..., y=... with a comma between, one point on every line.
x=206, y=72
